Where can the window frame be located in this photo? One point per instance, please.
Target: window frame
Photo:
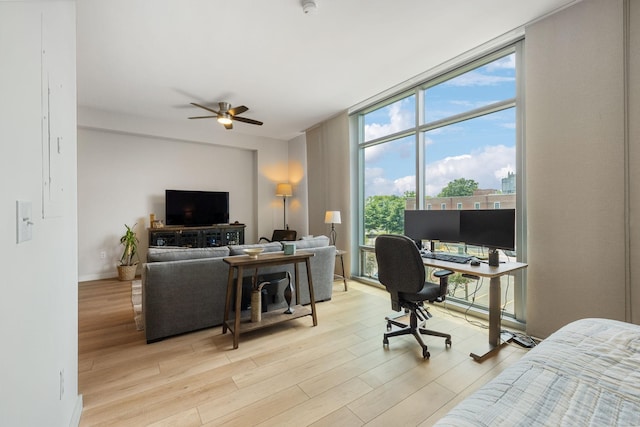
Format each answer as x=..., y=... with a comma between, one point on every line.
x=516, y=47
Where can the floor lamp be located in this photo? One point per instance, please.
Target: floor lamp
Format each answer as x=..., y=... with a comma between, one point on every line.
x=332, y=217
x=285, y=191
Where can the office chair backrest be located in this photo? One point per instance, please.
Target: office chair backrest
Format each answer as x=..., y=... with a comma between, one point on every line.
x=284, y=235
x=400, y=266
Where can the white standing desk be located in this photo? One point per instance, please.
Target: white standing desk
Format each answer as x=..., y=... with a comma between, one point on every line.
x=493, y=273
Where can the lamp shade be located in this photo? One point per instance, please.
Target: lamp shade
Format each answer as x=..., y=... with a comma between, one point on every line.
x=332, y=217
x=284, y=190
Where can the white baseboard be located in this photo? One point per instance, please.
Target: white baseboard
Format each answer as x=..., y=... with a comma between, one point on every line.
x=77, y=413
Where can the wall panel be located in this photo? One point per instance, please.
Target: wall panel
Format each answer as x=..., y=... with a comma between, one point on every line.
x=575, y=144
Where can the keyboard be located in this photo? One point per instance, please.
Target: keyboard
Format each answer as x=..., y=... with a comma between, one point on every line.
x=440, y=256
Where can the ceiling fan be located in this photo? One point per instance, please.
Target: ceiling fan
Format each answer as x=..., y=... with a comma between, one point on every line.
x=227, y=115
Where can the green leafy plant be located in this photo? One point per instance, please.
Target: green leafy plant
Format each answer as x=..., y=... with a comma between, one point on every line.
x=130, y=243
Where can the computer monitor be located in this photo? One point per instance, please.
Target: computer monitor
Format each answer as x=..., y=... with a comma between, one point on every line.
x=432, y=225
x=491, y=228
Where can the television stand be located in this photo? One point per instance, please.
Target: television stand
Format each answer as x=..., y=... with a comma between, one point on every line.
x=197, y=237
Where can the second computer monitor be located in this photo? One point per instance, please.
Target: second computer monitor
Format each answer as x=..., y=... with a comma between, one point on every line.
x=491, y=228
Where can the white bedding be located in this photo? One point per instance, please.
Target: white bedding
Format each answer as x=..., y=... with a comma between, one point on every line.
x=585, y=374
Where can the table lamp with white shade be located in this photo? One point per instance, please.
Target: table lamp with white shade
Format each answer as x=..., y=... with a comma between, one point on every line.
x=332, y=217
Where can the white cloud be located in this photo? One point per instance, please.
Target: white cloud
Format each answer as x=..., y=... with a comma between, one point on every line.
x=475, y=78
x=376, y=184
x=506, y=63
x=486, y=166
x=398, y=120
x=404, y=184
x=373, y=153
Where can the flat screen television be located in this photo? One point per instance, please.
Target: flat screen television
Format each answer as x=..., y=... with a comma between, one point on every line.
x=432, y=225
x=491, y=228
x=196, y=208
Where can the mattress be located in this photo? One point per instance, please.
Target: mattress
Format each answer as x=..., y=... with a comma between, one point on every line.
x=585, y=374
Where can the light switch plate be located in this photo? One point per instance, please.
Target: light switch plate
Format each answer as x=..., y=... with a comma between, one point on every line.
x=24, y=222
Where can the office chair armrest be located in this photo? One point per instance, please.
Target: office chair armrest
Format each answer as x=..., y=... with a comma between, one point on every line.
x=443, y=275
x=263, y=238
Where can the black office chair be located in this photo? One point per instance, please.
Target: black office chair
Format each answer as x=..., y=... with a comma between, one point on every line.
x=402, y=272
x=281, y=236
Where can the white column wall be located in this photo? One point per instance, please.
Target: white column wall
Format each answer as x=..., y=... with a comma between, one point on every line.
x=39, y=303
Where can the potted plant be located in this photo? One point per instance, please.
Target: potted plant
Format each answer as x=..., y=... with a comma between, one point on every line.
x=129, y=258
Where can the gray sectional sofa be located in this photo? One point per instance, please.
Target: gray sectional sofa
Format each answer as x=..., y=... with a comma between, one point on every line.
x=184, y=289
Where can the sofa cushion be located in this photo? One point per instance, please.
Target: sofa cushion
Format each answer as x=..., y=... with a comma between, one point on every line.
x=268, y=247
x=176, y=254
x=314, y=242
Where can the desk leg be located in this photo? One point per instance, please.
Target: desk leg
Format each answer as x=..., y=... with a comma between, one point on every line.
x=227, y=304
x=236, y=325
x=312, y=296
x=494, y=343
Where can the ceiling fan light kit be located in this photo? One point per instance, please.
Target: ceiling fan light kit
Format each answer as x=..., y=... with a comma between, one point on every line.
x=224, y=119
x=227, y=115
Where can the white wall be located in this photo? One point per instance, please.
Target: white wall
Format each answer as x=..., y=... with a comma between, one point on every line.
x=145, y=157
x=39, y=303
x=298, y=204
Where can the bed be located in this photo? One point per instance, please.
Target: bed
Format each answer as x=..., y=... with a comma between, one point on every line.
x=586, y=373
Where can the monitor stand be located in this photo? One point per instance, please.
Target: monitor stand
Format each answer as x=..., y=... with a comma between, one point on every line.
x=494, y=258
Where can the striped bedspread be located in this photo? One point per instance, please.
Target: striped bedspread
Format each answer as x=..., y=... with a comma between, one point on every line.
x=585, y=374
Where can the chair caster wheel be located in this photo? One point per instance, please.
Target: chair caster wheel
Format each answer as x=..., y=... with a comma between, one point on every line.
x=425, y=354
x=447, y=342
x=385, y=341
x=388, y=326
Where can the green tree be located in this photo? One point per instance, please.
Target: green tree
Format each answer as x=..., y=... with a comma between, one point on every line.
x=384, y=214
x=459, y=187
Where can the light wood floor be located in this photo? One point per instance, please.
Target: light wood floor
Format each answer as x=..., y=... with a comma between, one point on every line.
x=335, y=374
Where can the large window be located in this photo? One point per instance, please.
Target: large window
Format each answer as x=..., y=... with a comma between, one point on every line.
x=448, y=143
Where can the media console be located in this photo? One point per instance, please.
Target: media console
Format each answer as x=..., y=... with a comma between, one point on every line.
x=197, y=237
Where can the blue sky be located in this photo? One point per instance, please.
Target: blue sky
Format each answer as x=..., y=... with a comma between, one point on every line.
x=482, y=149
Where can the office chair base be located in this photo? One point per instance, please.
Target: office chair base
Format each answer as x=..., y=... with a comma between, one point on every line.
x=414, y=330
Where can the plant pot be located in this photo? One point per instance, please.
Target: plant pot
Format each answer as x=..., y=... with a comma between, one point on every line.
x=127, y=272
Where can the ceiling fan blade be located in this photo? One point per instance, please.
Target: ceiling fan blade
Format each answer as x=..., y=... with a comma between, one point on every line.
x=245, y=120
x=229, y=126
x=205, y=108
x=238, y=110
x=204, y=117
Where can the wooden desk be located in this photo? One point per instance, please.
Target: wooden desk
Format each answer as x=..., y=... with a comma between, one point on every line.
x=493, y=273
x=237, y=264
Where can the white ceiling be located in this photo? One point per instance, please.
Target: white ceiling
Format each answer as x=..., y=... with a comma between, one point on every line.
x=293, y=70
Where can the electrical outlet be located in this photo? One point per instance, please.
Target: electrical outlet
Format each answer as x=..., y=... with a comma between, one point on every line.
x=103, y=255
